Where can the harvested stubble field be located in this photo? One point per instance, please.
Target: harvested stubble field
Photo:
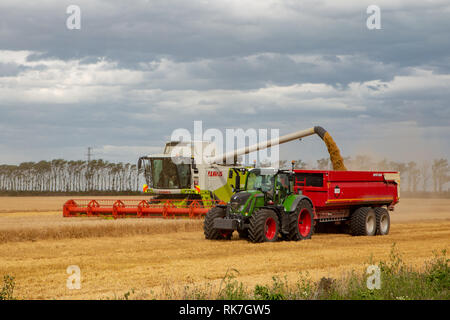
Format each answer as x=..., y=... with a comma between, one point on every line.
x=37, y=245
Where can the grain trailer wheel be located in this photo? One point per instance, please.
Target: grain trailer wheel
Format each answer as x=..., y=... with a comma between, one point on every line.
x=363, y=222
x=383, y=221
x=208, y=225
x=301, y=222
x=264, y=226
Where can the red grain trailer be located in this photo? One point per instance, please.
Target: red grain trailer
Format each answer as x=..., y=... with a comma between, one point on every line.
x=358, y=200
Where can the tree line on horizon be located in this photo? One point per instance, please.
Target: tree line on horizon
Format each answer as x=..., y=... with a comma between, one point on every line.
x=61, y=175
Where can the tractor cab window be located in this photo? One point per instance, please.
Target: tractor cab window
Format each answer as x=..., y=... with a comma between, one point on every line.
x=260, y=179
x=283, y=181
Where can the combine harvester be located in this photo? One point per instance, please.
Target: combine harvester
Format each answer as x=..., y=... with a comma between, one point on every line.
x=186, y=187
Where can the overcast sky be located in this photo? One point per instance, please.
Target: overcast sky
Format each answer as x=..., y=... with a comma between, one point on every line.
x=137, y=70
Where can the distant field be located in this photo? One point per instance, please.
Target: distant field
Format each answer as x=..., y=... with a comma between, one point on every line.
x=37, y=245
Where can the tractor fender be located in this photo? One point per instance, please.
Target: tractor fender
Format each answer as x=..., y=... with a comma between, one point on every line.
x=297, y=200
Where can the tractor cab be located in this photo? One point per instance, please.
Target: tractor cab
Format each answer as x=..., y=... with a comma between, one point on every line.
x=263, y=187
x=274, y=184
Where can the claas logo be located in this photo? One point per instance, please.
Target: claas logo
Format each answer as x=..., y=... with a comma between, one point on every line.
x=214, y=173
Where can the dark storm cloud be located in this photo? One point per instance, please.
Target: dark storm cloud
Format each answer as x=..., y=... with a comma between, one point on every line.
x=136, y=71
x=412, y=34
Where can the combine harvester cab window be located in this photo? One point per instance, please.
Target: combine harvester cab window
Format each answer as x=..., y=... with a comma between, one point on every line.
x=168, y=175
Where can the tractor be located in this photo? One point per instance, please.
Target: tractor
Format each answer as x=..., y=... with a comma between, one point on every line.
x=264, y=211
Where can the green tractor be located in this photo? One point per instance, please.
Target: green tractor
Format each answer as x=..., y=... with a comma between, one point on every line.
x=265, y=210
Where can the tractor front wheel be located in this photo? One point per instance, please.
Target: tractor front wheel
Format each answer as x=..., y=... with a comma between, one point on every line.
x=208, y=225
x=264, y=226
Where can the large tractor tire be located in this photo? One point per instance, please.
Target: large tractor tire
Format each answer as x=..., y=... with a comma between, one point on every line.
x=264, y=226
x=212, y=233
x=301, y=222
x=383, y=221
x=363, y=222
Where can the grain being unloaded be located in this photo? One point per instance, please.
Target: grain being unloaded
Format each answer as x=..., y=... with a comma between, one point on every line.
x=335, y=154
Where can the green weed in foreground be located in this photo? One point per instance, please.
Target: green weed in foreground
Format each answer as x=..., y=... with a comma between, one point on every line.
x=7, y=290
x=398, y=282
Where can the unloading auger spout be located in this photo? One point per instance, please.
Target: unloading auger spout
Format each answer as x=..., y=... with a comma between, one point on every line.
x=333, y=150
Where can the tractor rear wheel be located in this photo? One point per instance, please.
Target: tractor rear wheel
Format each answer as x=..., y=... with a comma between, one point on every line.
x=301, y=222
x=208, y=225
x=264, y=226
x=363, y=222
x=383, y=221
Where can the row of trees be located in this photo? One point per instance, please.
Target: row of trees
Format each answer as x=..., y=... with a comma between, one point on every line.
x=69, y=176
x=98, y=175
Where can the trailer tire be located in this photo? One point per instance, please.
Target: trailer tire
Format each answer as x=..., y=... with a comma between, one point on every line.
x=301, y=222
x=212, y=233
x=383, y=221
x=363, y=222
x=264, y=226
